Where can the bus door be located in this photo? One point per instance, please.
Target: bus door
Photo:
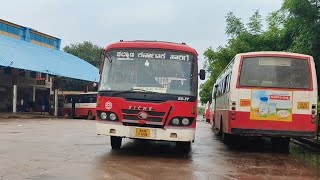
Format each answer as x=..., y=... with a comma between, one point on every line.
x=214, y=102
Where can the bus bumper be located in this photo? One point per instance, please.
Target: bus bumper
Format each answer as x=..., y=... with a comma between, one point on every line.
x=119, y=130
x=273, y=133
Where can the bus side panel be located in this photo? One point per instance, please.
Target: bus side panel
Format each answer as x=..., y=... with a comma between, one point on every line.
x=82, y=109
x=222, y=112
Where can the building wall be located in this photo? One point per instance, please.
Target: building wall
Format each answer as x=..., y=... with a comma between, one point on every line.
x=29, y=35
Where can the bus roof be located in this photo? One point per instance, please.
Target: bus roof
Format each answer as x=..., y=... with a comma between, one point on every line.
x=151, y=45
x=274, y=53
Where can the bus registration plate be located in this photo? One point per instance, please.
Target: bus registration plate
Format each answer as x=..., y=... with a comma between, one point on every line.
x=142, y=132
x=303, y=105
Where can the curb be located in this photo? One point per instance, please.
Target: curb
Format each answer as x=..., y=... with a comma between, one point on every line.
x=26, y=117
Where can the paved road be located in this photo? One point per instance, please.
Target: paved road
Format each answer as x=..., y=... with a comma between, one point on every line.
x=69, y=149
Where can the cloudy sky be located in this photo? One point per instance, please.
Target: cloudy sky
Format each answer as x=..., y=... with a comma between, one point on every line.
x=199, y=23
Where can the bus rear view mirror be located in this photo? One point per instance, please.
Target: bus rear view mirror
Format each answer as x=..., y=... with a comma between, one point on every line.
x=202, y=74
x=102, y=56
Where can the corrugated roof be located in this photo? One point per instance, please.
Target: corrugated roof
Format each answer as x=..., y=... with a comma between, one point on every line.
x=24, y=55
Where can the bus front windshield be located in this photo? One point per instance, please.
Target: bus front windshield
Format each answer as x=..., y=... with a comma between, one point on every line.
x=275, y=72
x=149, y=71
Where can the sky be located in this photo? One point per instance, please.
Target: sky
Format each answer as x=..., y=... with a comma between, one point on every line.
x=199, y=23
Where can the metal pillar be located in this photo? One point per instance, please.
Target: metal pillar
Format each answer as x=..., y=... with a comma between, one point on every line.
x=14, y=101
x=33, y=93
x=56, y=102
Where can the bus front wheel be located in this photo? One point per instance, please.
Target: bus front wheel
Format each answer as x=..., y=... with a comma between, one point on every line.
x=115, y=142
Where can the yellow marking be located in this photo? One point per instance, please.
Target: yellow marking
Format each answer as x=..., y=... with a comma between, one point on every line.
x=245, y=102
x=303, y=105
x=142, y=132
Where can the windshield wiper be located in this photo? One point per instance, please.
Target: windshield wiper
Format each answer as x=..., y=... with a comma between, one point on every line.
x=134, y=90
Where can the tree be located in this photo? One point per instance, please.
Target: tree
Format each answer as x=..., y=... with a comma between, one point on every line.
x=293, y=28
x=255, y=24
x=86, y=51
x=302, y=27
x=242, y=39
x=235, y=26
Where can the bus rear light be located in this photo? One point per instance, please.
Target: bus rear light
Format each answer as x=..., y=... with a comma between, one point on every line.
x=233, y=117
x=233, y=108
x=314, y=119
x=233, y=113
x=314, y=106
x=313, y=111
x=313, y=116
x=194, y=110
x=233, y=103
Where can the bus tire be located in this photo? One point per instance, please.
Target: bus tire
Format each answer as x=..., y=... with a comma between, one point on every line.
x=115, y=142
x=184, y=147
x=90, y=115
x=208, y=120
x=225, y=137
x=280, y=144
x=217, y=131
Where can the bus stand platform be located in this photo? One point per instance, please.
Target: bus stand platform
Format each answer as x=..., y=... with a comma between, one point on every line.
x=24, y=115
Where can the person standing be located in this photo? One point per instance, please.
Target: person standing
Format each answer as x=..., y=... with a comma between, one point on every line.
x=43, y=107
x=21, y=105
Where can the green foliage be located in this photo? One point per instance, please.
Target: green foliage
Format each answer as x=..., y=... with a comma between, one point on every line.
x=255, y=24
x=86, y=51
x=294, y=28
x=201, y=110
x=235, y=26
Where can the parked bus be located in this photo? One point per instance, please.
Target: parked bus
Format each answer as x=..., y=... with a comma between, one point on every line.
x=148, y=90
x=207, y=112
x=81, y=105
x=271, y=94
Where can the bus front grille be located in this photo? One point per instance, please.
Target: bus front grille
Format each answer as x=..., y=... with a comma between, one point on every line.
x=134, y=115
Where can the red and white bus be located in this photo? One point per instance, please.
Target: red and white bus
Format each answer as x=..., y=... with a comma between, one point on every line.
x=148, y=90
x=80, y=105
x=207, y=112
x=271, y=94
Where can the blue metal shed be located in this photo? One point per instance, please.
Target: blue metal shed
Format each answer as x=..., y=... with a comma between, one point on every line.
x=24, y=55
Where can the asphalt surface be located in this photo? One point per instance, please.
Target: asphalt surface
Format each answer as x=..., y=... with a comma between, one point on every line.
x=70, y=149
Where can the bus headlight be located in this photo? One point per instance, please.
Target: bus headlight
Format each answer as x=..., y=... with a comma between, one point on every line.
x=112, y=116
x=103, y=115
x=175, y=121
x=185, y=121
